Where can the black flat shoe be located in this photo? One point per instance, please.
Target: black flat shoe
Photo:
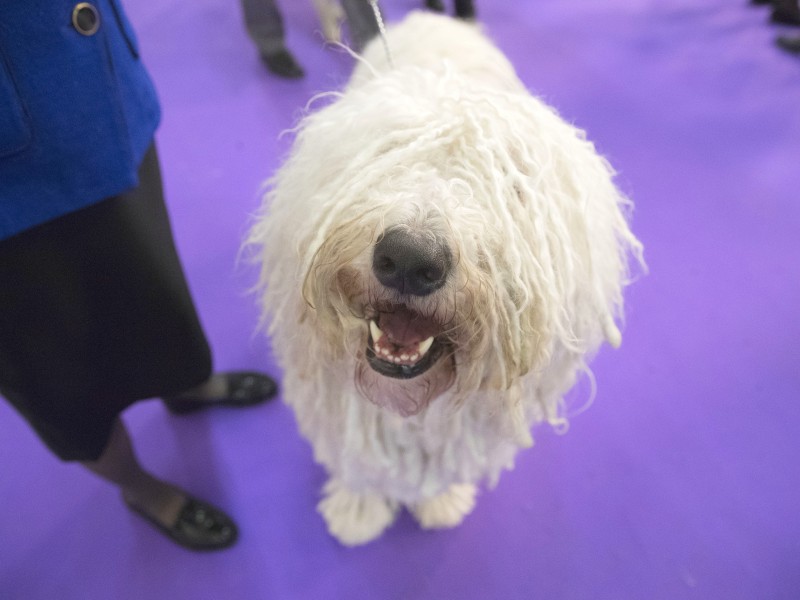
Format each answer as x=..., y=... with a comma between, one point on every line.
x=245, y=388
x=199, y=526
x=786, y=13
x=789, y=43
x=282, y=64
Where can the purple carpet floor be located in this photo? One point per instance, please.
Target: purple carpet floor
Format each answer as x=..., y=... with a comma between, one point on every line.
x=682, y=480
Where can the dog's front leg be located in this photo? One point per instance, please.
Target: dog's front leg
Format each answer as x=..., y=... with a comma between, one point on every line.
x=447, y=509
x=355, y=518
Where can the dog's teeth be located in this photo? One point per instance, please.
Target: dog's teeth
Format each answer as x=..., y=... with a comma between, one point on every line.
x=415, y=357
x=404, y=357
x=375, y=331
x=425, y=345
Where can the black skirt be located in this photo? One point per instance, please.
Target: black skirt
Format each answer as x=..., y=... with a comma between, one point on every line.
x=95, y=314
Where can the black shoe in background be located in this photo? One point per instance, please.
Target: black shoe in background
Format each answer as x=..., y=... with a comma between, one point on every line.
x=282, y=64
x=790, y=43
x=785, y=12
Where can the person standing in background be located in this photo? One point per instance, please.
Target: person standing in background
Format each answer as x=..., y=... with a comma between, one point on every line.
x=265, y=27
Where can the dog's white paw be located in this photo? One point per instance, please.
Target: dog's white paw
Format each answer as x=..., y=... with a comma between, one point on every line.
x=354, y=518
x=447, y=509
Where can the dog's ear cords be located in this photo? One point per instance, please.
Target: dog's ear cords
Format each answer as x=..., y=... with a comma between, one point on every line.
x=382, y=29
x=611, y=331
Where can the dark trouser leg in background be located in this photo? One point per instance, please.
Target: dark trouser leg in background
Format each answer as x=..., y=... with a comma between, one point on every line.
x=265, y=26
x=436, y=5
x=361, y=22
x=465, y=9
x=786, y=12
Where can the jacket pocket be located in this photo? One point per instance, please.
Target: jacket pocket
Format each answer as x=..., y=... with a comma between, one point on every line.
x=15, y=130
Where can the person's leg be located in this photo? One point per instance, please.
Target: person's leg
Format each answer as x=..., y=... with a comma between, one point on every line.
x=435, y=5
x=465, y=9
x=264, y=24
x=118, y=465
x=201, y=527
x=361, y=22
x=786, y=12
x=189, y=348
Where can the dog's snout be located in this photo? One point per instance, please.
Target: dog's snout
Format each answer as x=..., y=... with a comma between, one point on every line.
x=410, y=263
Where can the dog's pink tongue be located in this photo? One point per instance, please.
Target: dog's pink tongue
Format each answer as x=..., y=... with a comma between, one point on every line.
x=405, y=327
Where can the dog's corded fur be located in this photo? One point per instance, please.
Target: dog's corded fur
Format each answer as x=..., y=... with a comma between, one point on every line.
x=450, y=145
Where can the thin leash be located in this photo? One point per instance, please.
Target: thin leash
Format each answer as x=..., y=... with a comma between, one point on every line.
x=382, y=29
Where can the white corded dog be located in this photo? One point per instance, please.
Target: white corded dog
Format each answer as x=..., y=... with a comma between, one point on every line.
x=441, y=255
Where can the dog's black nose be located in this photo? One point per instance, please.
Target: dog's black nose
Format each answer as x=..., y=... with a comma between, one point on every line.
x=410, y=263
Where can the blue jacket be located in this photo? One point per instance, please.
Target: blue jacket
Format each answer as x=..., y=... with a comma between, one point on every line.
x=77, y=108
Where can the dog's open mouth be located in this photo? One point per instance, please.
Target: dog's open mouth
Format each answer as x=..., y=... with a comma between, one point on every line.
x=403, y=343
